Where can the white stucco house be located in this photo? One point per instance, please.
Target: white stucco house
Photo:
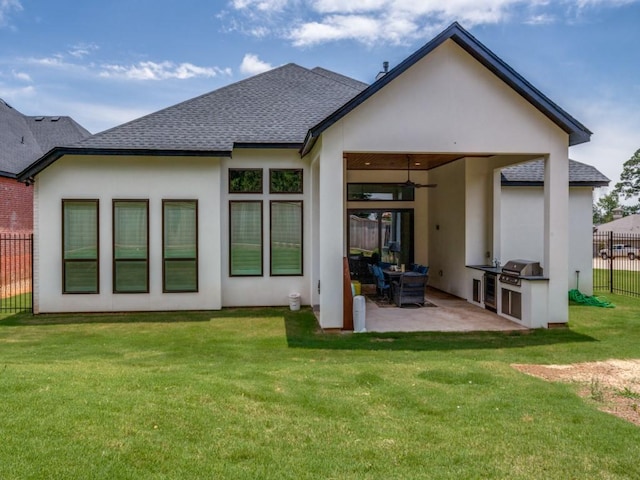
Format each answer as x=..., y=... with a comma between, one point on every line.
x=245, y=194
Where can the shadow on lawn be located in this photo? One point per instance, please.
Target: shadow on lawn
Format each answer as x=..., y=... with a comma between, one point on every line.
x=28, y=319
x=303, y=332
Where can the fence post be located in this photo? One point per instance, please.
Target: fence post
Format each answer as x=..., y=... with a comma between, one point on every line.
x=610, y=261
x=31, y=267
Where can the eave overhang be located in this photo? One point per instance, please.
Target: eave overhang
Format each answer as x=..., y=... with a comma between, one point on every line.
x=56, y=153
x=594, y=183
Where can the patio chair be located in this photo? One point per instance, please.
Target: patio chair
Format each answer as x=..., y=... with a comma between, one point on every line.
x=382, y=285
x=409, y=289
x=420, y=269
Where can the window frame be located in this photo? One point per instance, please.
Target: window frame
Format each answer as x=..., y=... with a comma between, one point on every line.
x=301, y=273
x=80, y=260
x=246, y=192
x=197, y=256
x=362, y=184
x=297, y=192
x=113, y=245
x=261, y=204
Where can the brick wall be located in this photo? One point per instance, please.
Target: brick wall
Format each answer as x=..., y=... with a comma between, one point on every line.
x=16, y=207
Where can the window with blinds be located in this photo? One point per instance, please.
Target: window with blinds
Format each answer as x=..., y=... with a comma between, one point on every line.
x=245, y=238
x=180, y=245
x=131, y=246
x=80, y=246
x=286, y=237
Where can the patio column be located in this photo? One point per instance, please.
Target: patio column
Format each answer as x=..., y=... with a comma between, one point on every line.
x=556, y=234
x=331, y=234
x=497, y=218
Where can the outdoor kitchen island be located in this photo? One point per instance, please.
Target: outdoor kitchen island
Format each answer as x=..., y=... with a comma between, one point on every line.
x=521, y=298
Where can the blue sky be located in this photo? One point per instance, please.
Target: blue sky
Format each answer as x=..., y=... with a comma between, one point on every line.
x=107, y=62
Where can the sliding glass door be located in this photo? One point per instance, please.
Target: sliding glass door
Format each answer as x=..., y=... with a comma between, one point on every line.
x=385, y=235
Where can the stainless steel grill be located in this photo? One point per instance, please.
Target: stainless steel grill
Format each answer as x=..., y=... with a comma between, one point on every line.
x=514, y=270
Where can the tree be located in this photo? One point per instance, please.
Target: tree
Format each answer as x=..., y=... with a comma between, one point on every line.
x=629, y=184
x=604, y=207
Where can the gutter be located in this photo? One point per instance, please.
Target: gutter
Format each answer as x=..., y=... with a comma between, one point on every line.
x=56, y=153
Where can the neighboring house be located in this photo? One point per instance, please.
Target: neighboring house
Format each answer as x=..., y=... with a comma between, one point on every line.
x=24, y=139
x=243, y=195
x=622, y=226
x=522, y=216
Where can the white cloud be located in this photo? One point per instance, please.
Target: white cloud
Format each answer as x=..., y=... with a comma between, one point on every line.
x=312, y=22
x=6, y=7
x=261, y=5
x=159, y=71
x=542, y=19
x=55, y=61
x=252, y=65
x=81, y=50
x=338, y=27
x=17, y=93
x=25, y=77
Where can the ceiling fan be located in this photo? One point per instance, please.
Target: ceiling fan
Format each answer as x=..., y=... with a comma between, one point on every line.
x=410, y=184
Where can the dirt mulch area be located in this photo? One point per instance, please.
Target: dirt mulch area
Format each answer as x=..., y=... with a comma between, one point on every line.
x=613, y=384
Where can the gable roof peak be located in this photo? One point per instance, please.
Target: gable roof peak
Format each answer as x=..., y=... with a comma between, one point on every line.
x=577, y=132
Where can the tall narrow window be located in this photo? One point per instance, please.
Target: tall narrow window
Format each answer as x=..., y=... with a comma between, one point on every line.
x=180, y=245
x=286, y=238
x=245, y=234
x=80, y=250
x=131, y=246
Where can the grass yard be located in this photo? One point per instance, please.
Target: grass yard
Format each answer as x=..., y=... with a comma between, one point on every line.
x=259, y=393
x=623, y=280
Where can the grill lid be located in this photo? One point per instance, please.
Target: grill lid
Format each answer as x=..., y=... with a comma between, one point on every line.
x=521, y=267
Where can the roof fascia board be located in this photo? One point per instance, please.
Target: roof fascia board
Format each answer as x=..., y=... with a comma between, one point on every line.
x=7, y=174
x=521, y=183
x=58, y=152
x=269, y=146
x=578, y=133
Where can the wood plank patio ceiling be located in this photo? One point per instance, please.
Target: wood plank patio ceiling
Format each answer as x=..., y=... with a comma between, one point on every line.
x=398, y=161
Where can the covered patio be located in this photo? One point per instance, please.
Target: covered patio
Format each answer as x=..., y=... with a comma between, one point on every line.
x=445, y=313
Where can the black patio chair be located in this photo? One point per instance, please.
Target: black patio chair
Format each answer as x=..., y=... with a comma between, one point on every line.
x=409, y=289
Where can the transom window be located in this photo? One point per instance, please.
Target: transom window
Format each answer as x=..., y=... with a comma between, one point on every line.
x=379, y=192
x=80, y=246
x=245, y=180
x=285, y=180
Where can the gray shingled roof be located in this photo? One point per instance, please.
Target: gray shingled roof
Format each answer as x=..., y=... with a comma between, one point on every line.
x=533, y=173
x=628, y=224
x=24, y=139
x=275, y=107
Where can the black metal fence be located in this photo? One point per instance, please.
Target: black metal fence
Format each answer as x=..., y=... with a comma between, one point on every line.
x=616, y=263
x=16, y=273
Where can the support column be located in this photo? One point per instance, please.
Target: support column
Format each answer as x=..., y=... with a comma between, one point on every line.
x=556, y=234
x=331, y=235
x=497, y=217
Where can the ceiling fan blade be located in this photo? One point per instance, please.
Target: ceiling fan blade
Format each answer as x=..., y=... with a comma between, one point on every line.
x=425, y=185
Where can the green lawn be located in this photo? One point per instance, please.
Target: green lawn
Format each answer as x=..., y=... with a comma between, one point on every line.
x=623, y=280
x=260, y=394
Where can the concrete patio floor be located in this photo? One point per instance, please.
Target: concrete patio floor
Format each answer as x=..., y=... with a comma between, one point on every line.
x=450, y=314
